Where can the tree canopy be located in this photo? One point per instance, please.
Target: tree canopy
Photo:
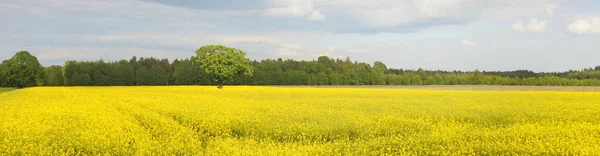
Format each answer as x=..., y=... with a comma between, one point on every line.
x=222, y=63
x=22, y=70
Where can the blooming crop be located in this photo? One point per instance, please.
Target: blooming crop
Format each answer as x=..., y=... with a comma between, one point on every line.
x=296, y=121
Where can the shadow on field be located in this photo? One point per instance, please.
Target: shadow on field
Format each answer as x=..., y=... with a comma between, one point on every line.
x=2, y=90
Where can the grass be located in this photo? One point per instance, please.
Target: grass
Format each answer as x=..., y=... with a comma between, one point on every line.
x=296, y=121
x=6, y=89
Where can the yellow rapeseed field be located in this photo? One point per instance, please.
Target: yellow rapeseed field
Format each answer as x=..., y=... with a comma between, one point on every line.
x=296, y=121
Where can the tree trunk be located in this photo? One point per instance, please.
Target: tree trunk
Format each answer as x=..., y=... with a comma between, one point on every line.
x=220, y=84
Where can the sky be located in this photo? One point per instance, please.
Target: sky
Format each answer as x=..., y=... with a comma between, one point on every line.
x=490, y=35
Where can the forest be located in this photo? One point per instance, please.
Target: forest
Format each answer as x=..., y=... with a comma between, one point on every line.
x=324, y=70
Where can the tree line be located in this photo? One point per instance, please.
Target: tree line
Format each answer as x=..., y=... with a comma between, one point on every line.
x=24, y=70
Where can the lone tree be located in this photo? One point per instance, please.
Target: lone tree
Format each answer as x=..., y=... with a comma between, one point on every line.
x=222, y=63
x=22, y=70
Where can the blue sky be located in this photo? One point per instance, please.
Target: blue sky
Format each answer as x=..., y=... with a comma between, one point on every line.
x=540, y=35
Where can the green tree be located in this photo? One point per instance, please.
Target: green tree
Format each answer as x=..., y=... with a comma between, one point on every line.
x=99, y=78
x=380, y=66
x=2, y=81
x=121, y=74
x=186, y=73
x=324, y=64
x=222, y=63
x=421, y=73
x=142, y=76
x=157, y=76
x=22, y=70
x=81, y=79
x=379, y=70
x=69, y=69
x=53, y=76
x=476, y=78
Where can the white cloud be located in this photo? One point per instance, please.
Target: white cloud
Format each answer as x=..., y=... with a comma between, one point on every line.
x=330, y=50
x=537, y=25
x=550, y=8
x=370, y=13
x=132, y=10
x=294, y=8
x=534, y=25
x=392, y=13
x=357, y=50
x=520, y=26
x=114, y=21
x=590, y=25
x=467, y=42
x=511, y=9
x=166, y=39
x=316, y=16
x=249, y=39
x=287, y=50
